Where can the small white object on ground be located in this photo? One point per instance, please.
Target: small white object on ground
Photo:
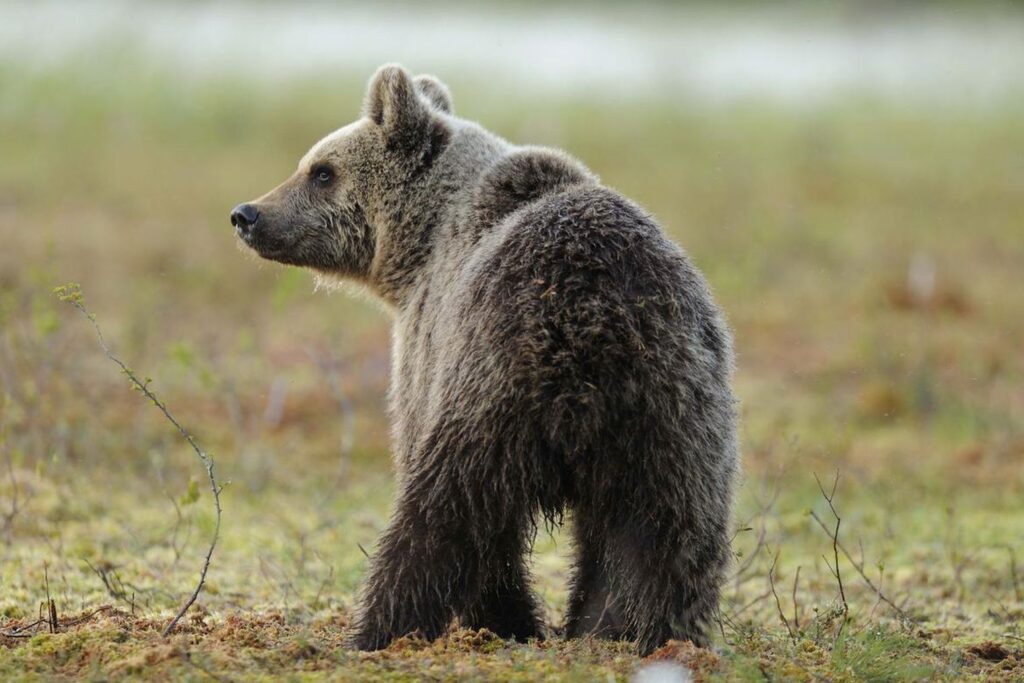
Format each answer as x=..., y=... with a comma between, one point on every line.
x=662, y=672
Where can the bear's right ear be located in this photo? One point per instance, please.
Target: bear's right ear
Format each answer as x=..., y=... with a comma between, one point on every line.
x=435, y=91
x=392, y=102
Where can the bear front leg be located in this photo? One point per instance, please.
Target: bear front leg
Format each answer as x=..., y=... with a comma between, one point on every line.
x=454, y=546
x=425, y=565
x=431, y=558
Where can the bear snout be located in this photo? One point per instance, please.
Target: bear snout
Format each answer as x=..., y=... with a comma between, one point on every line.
x=244, y=218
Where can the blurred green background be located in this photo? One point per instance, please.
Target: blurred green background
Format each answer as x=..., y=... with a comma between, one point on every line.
x=849, y=176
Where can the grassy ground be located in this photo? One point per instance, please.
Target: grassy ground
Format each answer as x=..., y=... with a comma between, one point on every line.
x=869, y=257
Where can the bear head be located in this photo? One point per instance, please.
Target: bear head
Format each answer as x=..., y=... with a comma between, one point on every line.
x=355, y=182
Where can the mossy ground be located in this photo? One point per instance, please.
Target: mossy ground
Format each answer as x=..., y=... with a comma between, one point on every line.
x=870, y=259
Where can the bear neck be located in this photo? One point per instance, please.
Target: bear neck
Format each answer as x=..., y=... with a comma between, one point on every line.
x=421, y=215
x=472, y=187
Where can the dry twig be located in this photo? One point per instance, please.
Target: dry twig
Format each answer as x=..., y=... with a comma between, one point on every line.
x=1017, y=593
x=837, y=546
x=743, y=572
x=778, y=602
x=111, y=580
x=51, y=606
x=72, y=294
x=15, y=506
x=28, y=630
x=834, y=533
x=796, y=603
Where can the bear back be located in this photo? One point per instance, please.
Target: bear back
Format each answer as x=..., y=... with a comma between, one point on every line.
x=522, y=178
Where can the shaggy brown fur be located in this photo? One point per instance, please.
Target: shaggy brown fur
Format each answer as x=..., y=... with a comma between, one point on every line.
x=553, y=351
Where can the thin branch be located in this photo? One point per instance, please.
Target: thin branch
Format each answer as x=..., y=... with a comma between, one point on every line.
x=323, y=585
x=829, y=497
x=51, y=607
x=179, y=517
x=29, y=630
x=999, y=603
x=763, y=596
x=863, y=575
x=1017, y=593
x=745, y=566
x=778, y=602
x=72, y=294
x=740, y=575
x=89, y=615
x=837, y=545
x=721, y=625
x=15, y=507
x=111, y=581
x=26, y=631
x=796, y=603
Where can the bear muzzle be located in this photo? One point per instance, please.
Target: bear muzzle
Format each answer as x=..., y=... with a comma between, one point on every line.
x=244, y=217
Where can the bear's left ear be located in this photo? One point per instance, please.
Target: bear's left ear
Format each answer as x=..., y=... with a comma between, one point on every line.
x=435, y=91
x=392, y=102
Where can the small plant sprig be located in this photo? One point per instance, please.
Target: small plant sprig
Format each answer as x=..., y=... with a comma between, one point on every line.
x=72, y=294
x=859, y=567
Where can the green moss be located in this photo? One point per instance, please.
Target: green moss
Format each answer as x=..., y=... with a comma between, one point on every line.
x=882, y=654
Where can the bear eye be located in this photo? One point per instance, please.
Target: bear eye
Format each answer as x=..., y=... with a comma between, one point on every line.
x=323, y=175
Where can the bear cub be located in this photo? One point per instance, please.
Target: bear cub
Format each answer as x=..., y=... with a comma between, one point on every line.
x=553, y=352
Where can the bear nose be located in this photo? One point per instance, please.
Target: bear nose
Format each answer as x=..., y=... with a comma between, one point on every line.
x=244, y=217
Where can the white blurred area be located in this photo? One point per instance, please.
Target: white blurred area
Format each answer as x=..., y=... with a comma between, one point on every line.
x=789, y=53
x=662, y=672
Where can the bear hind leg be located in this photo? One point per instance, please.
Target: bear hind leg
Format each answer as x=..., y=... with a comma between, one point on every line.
x=505, y=604
x=591, y=610
x=665, y=568
x=650, y=567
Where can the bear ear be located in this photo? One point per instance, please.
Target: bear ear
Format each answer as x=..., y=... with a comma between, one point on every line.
x=435, y=91
x=391, y=100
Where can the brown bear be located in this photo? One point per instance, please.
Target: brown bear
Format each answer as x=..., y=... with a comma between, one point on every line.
x=553, y=352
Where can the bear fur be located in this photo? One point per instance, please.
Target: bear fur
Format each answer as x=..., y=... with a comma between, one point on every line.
x=553, y=351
